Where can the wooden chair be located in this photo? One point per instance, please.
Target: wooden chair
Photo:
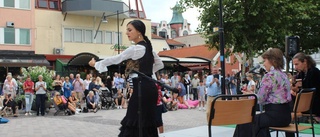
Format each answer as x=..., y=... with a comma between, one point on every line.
x=226, y=112
x=303, y=103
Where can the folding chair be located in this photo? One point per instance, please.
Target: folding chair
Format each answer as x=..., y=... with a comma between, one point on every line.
x=303, y=103
x=226, y=112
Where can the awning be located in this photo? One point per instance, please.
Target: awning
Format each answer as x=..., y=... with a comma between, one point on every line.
x=22, y=59
x=82, y=59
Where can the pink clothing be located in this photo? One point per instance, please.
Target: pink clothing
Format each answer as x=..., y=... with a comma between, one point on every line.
x=190, y=102
x=29, y=87
x=77, y=86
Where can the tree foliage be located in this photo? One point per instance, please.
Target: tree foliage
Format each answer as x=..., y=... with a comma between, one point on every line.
x=35, y=71
x=252, y=26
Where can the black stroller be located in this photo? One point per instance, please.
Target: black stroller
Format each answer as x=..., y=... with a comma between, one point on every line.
x=106, y=99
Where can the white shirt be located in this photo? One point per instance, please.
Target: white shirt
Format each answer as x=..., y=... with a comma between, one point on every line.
x=41, y=90
x=250, y=84
x=134, y=52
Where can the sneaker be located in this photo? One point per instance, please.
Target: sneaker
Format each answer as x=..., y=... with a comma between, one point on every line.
x=30, y=113
x=120, y=107
x=26, y=114
x=200, y=108
x=204, y=109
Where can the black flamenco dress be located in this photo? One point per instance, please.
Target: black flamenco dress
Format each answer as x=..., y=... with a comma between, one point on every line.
x=149, y=95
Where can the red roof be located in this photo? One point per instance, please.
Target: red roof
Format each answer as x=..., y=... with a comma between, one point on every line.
x=201, y=51
x=173, y=42
x=154, y=36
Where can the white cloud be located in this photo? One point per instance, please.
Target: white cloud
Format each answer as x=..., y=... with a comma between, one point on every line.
x=158, y=10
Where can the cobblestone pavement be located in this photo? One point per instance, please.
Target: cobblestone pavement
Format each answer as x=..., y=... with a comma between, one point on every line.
x=104, y=123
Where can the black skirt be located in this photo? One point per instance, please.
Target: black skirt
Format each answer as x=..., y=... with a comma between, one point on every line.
x=149, y=96
x=275, y=115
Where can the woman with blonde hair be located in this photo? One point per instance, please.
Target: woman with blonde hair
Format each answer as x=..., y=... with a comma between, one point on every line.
x=91, y=102
x=41, y=90
x=72, y=102
x=251, y=87
x=99, y=82
x=9, y=86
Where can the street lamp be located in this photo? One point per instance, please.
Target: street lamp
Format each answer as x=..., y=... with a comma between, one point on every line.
x=221, y=40
x=104, y=19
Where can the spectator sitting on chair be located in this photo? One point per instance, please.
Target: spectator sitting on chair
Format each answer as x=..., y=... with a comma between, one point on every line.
x=59, y=102
x=91, y=102
x=170, y=102
x=119, y=99
x=9, y=102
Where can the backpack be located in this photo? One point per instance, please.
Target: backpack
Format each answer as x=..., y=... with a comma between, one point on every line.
x=85, y=110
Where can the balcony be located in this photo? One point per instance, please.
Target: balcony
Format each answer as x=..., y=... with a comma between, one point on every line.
x=94, y=7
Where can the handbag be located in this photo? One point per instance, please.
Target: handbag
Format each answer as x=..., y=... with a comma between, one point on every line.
x=64, y=100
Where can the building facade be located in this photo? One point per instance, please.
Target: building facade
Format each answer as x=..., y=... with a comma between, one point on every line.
x=58, y=29
x=177, y=27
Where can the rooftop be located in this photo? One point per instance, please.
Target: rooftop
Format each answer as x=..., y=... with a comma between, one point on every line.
x=201, y=51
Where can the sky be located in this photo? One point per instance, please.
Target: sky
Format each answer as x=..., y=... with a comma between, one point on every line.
x=158, y=10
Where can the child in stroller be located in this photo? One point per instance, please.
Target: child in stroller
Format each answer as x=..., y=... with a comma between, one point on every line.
x=106, y=98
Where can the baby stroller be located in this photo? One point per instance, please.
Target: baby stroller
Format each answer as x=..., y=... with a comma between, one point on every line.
x=106, y=98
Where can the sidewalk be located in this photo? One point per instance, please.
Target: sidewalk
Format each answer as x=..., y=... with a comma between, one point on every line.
x=106, y=123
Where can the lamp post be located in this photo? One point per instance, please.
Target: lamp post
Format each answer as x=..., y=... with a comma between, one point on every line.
x=221, y=40
x=118, y=29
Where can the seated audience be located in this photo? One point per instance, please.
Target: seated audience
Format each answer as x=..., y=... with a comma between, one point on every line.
x=171, y=104
x=59, y=102
x=9, y=102
x=119, y=99
x=274, y=94
x=91, y=102
x=72, y=102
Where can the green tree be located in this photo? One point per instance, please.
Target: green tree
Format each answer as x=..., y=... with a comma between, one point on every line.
x=252, y=26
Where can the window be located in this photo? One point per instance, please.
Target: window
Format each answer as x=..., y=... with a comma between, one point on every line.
x=88, y=36
x=67, y=35
x=162, y=34
x=185, y=33
x=109, y=37
x=48, y=4
x=9, y=36
x=8, y=3
x=173, y=34
x=41, y=4
x=228, y=60
x=99, y=37
x=24, y=4
x=116, y=38
x=77, y=35
x=54, y=4
x=25, y=36
x=16, y=36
